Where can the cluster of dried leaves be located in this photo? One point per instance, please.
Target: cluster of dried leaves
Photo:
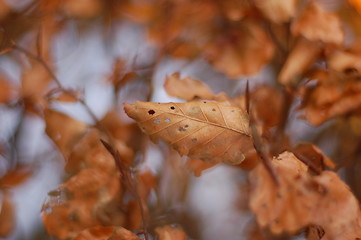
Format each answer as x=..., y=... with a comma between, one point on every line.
x=314, y=54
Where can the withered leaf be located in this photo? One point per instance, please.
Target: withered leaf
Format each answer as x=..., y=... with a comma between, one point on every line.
x=63, y=130
x=300, y=58
x=277, y=11
x=300, y=200
x=316, y=24
x=16, y=176
x=75, y=204
x=170, y=233
x=186, y=88
x=106, y=233
x=210, y=131
x=7, y=215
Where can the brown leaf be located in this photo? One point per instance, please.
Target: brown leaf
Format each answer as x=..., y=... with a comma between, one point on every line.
x=16, y=176
x=89, y=152
x=336, y=94
x=301, y=199
x=75, y=204
x=170, y=233
x=187, y=88
x=267, y=105
x=300, y=58
x=106, y=233
x=317, y=25
x=63, y=130
x=7, y=215
x=278, y=11
x=209, y=131
x=197, y=166
x=242, y=52
x=7, y=91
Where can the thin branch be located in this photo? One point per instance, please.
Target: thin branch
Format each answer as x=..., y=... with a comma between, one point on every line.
x=127, y=179
x=56, y=80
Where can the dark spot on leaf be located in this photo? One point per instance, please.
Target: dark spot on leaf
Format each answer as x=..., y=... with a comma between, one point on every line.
x=194, y=139
x=232, y=111
x=172, y=107
x=151, y=112
x=213, y=109
x=204, y=102
x=186, y=126
x=181, y=129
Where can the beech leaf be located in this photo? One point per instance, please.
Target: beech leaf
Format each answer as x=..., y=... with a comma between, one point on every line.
x=210, y=131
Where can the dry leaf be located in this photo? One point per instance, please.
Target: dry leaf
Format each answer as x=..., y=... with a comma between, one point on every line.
x=16, y=176
x=170, y=233
x=186, y=88
x=209, y=131
x=63, y=130
x=7, y=91
x=267, y=105
x=7, y=215
x=317, y=25
x=242, y=52
x=303, y=54
x=278, y=11
x=336, y=94
x=75, y=204
x=197, y=166
x=301, y=199
x=106, y=233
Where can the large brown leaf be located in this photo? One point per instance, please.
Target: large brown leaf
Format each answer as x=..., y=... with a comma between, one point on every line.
x=210, y=131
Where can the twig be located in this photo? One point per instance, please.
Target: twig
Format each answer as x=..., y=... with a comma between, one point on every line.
x=263, y=153
x=126, y=178
x=56, y=80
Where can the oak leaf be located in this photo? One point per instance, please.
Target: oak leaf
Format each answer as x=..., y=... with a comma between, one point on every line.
x=300, y=200
x=210, y=131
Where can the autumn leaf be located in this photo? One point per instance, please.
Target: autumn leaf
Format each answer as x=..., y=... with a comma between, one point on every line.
x=278, y=11
x=78, y=203
x=315, y=24
x=7, y=215
x=106, y=233
x=302, y=55
x=301, y=199
x=210, y=131
x=242, y=52
x=170, y=233
x=64, y=137
x=16, y=176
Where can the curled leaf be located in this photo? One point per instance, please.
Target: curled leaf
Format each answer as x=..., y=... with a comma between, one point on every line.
x=186, y=88
x=209, y=131
x=301, y=199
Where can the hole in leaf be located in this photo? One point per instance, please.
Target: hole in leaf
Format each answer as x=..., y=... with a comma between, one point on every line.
x=167, y=120
x=181, y=129
x=156, y=121
x=172, y=107
x=151, y=112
